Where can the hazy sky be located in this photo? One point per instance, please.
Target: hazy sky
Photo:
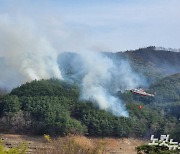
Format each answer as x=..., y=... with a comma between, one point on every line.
x=111, y=25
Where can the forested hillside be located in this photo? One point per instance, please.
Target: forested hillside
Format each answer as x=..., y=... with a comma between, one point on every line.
x=167, y=89
x=164, y=60
x=152, y=62
x=53, y=107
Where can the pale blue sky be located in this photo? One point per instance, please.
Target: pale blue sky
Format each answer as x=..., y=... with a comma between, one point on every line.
x=111, y=25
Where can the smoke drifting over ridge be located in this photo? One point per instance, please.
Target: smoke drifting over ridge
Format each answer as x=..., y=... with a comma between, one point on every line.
x=100, y=77
x=29, y=55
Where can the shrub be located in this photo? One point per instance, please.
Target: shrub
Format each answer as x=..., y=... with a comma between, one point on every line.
x=20, y=149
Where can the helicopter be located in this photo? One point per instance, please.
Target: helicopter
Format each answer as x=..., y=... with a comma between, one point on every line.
x=142, y=92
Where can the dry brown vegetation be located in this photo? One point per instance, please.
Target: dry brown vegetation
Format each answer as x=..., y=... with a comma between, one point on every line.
x=73, y=144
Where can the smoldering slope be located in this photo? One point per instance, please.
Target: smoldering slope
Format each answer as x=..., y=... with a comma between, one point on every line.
x=100, y=77
x=103, y=79
x=29, y=55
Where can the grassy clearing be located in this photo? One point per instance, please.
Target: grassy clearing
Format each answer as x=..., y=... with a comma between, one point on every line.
x=72, y=145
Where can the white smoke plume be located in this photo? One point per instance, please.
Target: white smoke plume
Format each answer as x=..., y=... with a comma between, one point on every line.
x=103, y=78
x=95, y=81
x=26, y=51
x=29, y=55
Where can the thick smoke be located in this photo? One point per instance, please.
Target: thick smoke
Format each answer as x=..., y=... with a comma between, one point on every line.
x=104, y=78
x=96, y=82
x=26, y=51
x=100, y=78
x=29, y=55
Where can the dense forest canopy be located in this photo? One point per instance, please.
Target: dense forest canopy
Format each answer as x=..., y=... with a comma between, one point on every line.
x=54, y=106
